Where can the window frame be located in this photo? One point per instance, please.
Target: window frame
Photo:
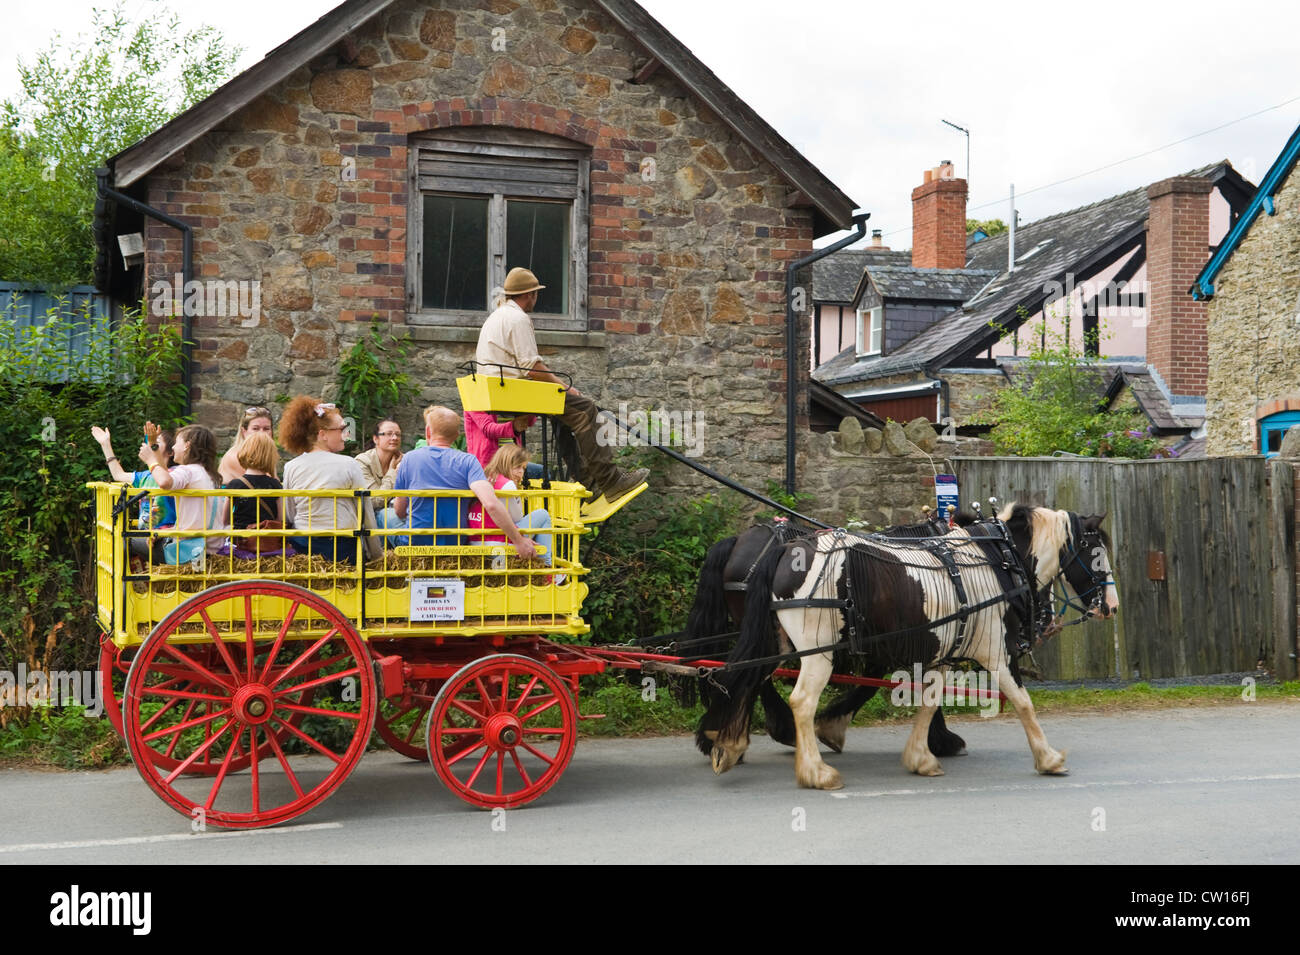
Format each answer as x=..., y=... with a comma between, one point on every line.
x=1282, y=421
x=871, y=331
x=488, y=145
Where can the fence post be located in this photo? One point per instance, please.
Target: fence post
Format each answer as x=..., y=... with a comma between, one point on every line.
x=1282, y=487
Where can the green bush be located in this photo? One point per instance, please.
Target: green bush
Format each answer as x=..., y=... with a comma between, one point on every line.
x=646, y=561
x=50, y=395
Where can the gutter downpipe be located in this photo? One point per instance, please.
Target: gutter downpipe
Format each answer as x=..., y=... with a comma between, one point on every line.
x=187, y=270
x=791, y=337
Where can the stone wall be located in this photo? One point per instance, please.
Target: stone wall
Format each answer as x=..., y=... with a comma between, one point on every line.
x=878, y=477
x=686, y=270
x=1254, y=347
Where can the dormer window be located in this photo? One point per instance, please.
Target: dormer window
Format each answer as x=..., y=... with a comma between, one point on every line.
x=871, y=330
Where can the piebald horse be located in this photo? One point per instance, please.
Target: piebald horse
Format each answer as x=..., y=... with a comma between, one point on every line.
x=720, y=600
x=969, y=595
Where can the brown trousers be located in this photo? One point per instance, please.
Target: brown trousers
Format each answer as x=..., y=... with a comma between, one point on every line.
x=597, y=461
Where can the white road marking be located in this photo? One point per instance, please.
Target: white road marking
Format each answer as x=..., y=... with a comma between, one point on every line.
x=1061, y=784
x=173, y=837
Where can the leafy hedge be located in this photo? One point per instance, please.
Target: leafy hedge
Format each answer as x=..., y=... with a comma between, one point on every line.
x=51, y=392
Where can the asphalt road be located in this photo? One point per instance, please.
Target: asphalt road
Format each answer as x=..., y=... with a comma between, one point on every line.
x=1216, y=784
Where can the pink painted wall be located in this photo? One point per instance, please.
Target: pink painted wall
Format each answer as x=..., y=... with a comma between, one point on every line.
x=1123, y=329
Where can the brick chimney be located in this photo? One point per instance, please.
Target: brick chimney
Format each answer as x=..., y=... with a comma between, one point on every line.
x=939, y=220
x=1178, y=240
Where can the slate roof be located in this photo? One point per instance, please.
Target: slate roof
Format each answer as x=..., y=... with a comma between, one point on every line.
x=836, y=277
x=930, y=285
x=832, y=207
x=1046, y=250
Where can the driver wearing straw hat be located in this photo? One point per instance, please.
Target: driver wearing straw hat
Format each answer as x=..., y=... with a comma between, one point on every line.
x=507, y=345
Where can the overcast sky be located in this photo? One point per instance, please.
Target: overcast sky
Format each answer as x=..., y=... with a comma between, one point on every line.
x=1049, y=91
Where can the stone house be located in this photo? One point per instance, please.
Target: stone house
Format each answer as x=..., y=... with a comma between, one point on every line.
x=1250, y=290
x=940, y=335
x=393, y=160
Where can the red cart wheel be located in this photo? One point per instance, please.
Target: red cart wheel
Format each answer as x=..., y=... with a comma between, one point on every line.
x=502, y=731
x=115, y=663
x=219, y=684
x=400, y=723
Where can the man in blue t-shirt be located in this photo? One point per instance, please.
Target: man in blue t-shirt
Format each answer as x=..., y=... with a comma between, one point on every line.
x=439, y=466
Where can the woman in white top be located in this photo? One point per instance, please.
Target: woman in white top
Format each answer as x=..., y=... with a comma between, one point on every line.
x=314, y=430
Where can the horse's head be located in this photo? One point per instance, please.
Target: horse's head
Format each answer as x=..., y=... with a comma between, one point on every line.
x=1063, y=544
x=1085, y=564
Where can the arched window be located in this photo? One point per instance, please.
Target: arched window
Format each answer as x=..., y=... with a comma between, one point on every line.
x=1273, y=429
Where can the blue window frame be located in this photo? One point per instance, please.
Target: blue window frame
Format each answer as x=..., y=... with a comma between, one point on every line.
x=1273, y=429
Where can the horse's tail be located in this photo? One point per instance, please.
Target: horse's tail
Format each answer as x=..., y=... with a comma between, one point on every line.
x=709, y=615
x=730, y=713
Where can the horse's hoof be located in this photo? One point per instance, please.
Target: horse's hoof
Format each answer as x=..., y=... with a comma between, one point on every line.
x=823, y=777
x=1054, y=765
x=722, y=760
x=832, y=733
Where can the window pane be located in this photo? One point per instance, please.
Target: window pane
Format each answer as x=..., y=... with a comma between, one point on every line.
x=537, y=239
x=877, y=328
x=455, y=253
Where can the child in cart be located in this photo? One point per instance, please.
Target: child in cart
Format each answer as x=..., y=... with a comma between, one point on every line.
x=156, y=512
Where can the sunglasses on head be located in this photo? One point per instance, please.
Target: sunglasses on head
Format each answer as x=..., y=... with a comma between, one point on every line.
x=324, y=408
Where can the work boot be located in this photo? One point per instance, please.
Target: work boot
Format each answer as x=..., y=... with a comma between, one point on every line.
x=625, y=482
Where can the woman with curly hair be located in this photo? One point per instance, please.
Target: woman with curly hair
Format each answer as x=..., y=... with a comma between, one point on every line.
x=313, y=430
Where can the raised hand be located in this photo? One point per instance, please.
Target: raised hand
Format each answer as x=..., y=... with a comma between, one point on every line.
x=101, y=435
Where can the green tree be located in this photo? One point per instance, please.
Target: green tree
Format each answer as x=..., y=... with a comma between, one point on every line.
x=372, y=381
x=1056, y=405
x=83, y=101
x=991, y=227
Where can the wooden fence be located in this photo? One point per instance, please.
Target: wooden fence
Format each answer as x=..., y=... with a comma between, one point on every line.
x=1203, y=553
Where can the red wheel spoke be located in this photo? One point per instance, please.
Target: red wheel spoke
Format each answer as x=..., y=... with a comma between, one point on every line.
x=197, y=667
x=157, y=716
x=182, y=695
x=415, y=728
x=461, y=754
x=187, y=724
x=253, y=768
x=317, y=711
x=464, y=708
x=320, y=681
x=542, y=756
x=279, y=639
x=520, y=767
x=501, y=768
x=185, y=763
x=177, y=738
x=460, y=730
x=221, y=773
x=311, y=667
x=543, y=730
x=524, y=695
x=310, y=742
x=222, y=649
x=478, y=769
x=505, y=689
x=292, y=667
x=484, y=694
x=284, y=763
x=552, y=701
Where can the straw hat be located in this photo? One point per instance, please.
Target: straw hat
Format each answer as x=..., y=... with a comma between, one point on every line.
x=521, y=281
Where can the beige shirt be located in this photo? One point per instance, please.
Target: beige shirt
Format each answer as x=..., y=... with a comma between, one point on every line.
x=369, y=461
x=507, y=339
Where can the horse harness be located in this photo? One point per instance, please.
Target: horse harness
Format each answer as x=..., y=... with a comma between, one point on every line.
x=941, y=548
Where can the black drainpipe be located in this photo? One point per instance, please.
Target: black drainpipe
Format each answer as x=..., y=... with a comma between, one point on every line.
x=791, y=338
x=187, y=270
